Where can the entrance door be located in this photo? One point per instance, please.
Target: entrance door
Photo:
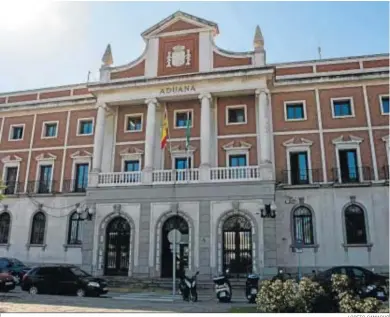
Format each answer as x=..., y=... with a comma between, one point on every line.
x=237, y=246
x=117, y=247
x=175, y=222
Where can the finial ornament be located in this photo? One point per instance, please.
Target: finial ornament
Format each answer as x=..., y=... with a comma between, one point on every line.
x=107, y=59
x=258, y=41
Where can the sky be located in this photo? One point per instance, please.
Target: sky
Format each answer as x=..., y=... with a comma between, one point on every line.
x=57, y=43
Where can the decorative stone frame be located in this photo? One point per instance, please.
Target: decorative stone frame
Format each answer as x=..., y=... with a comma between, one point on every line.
x=43, y=245
x=179, y=111
x=66, y=245
x=133, y=115
x=79, y=157
x=345, y=245
x=295, y=102
x=352, y=115
x=42, y=160
x=101, y=245
x=234, y=107
x=381, y=104
x=127, y=155
x=80, y=120
x=176, y=152
x=301, y=204
x=231, y=149
x=8, y=162
x=11, y=129
x=352, y=144
x=43, y=131
x=236, y=211
x=158, y=240
x=8, y=244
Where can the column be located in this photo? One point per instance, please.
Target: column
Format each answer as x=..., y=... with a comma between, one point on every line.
x=264, y=127
x=149, y=139
x=98, y=142
x=205, y=135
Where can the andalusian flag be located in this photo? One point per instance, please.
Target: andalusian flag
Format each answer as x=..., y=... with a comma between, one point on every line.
x=164, y=130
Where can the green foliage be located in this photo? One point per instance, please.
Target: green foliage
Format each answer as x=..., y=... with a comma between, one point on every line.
x=2, y=187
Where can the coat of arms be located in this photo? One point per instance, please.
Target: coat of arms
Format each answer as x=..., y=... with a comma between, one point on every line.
x=178, y=56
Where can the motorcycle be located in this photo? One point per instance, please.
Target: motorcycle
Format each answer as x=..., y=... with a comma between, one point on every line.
x=223, y=289
x=187, y=287
x=252, y=287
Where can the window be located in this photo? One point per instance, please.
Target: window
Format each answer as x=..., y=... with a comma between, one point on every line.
x=133, y=123
x=45, y=181
x=16, y=132
x=342, y=108
x=50, y=130
x=5, y=223
x=349, y=171
x=85, y=127
x=355, y=225
x=75, y=234
x=182, y=163
x=131, y=166
x=237, y=160
x=236, y=114
x=47, y=271
x=299, y=168
x=81, y=177
x=11, y=177
x=303, y=226
x=295, y=111
x=181, y=118
x=384, y=104
x=38, y=228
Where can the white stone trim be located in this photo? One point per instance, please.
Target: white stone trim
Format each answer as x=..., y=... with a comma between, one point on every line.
x=79, y=160
x=44, y=123
x=303, y=146
x=176, y=152
x=295, y=102
x=321, y=132
x=41, y=162
x=236, y=107
x=230, y=150
x=381, y=104
x=7, y=162
x=235, y=136
x=352, y=144
x=42, y=157
x=1, y=128
x=17, y=125
x=133, y=115
x=386, y=140
x=80, y=120
x=126, y=155
x=30, y=153
x=175, y=112
x=332, y=100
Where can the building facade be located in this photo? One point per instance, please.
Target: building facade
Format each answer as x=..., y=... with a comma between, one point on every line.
x=281, y=165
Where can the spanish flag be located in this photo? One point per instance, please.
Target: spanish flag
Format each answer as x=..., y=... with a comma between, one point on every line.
x=164, y=130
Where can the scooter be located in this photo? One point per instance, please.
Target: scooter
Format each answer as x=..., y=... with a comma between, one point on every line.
x=252, y=287
x=187, y=287
x=223, y=289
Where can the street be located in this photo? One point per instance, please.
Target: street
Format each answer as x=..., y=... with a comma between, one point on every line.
x=18, y=301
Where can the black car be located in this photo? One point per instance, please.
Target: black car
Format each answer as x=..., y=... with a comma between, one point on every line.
x=358, y=276
x=7, y=282
x=62, y=279
x=14, y=267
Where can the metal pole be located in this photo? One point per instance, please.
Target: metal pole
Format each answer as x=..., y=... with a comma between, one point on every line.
x=299, y=266
x=174, y=264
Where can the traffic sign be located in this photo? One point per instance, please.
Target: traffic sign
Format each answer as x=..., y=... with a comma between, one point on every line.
x=171, y=235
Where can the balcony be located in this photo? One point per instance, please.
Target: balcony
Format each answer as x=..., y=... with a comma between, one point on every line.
x=357, y=175
x=385, y=172
x=74, y=186
x=13, y=188
x=300, y=177
x=41, y=187
x=191, y=176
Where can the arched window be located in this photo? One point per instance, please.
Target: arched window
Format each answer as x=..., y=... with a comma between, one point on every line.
x=75, y=234
x=5, y=223
x=355, y=225
x=303, y=225
x=38, y=228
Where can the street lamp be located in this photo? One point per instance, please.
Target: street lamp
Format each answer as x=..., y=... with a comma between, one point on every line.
x=85, y=213
x=268, y=211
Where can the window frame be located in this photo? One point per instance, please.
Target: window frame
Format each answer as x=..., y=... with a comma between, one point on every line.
x=133, y=115
x=381, y=104
x=352, y=115
x=229, y=107
x=366, y=225
x=10, y=134
x=32, y=229
x=291, y=103
x=294, y=217
x=5, y=212
x=237, y=153
x=11, y=164
x=43, y=162
x=43, y=132
x=74, y=172
x=70, y=221
x=81, y=120
x=179, y=111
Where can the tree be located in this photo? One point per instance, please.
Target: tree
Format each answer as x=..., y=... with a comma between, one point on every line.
x=2, y=187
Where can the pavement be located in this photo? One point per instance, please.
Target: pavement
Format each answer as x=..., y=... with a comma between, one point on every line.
x=18, y=301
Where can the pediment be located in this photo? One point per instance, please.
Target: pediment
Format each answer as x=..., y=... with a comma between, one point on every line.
x=182, y=149
x=45, y=157
x=347, y=140
x=179, y=22
x=131, y=151
x=237, y=145
x=81, y=154
x=297, y=142
x=11, y=159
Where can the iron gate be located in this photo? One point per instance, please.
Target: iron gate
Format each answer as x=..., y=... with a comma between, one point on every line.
x=237, y=245
x=117, y=247
x=174, y=222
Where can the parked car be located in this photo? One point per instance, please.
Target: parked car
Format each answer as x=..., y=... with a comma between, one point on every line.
x=62, y=279
x=14, y=267
x=7, y=282
x=360, y=278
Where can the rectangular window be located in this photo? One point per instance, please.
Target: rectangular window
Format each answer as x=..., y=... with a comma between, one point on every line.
x=17, y=132
x=50, y=130
x=295, y=111
x=342, y=108
x=238, y=161
x=181, y=119
x=182, y=165
x=236, y=115
x=45, y=181
x=81, y=181
x=85, y=127
x=132, y=166
x=11, y=174
x=349, y=171
x=385, y=104
x=134, y=123
x=299, y=173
